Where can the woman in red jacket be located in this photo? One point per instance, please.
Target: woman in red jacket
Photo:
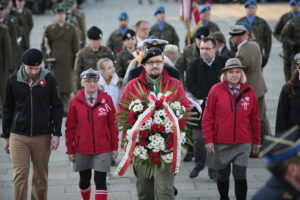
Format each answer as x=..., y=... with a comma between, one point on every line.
x=91, y=135
x=230, y=125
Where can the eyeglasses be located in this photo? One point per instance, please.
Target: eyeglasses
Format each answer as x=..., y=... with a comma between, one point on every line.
x=156, y=62
x=205, y=48
x=91, y=81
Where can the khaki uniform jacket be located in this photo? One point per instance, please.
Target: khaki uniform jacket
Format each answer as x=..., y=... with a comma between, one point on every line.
x=189, y=54
x=21, y=29
x=280, y=24
x=5, y=57
x=168, y=33
x=263, y=35
x=290, y=34
x=61, y=43
x=115, y=41
x=27, y=15
x=86, y=58
x=122, y=61
x=82, y=26
x=250, y=57
x=12, y=24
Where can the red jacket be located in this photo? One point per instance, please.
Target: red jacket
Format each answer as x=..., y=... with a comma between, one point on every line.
x=229, y=123
x=167, y=81
x=91, y=130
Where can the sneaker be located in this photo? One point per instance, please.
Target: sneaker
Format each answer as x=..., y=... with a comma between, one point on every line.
x=195, y=172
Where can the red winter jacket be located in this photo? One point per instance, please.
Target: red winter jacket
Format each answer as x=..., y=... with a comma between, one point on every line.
x=226, y=122
x=167, y=81
x=91, y=130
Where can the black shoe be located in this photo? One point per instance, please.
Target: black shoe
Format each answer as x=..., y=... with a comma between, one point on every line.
x=195, y=172
x=175, y=191
x=188, y=157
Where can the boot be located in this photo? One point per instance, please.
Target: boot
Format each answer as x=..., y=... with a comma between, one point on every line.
x=240, y=189
x=223, y=188
x=85, y=194
x=101, y=195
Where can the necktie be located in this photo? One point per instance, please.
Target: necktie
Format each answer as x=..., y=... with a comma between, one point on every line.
x=30, y=81
x=235, y=91
x=91, y=100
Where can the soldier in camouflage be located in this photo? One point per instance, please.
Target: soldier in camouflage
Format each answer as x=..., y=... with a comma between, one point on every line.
x=287, y=50
x=261, y=29
x=126, y=55
x=161, y=29
x=89, y=56
x=115, y=42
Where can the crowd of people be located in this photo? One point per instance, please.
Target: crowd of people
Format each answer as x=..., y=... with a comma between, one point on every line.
x=89, y=83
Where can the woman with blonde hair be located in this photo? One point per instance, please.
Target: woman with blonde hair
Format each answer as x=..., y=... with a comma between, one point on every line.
x=230, y=124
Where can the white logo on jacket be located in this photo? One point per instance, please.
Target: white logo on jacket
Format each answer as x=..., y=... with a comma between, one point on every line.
x=103, y=110
x=245, y=102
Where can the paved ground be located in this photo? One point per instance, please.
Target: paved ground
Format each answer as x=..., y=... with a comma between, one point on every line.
x=63, y=182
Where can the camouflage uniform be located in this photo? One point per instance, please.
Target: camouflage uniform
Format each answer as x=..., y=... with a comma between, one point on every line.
x=5, y=60
x=263, y=35
x=168, y=33
x=122, y=61
x=82, y=26
x=115, y=41
x=86, y=58
x=190, y=53
x=290, y=36
x=287, y=50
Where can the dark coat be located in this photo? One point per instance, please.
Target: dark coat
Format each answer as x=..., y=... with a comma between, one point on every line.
x=277, y=189
x=226, y=52
x=200, y=77
x=137, y=71
x=288, y=108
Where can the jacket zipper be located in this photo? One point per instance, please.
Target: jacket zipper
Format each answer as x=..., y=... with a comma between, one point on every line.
x=92, y=119
x=31, y=109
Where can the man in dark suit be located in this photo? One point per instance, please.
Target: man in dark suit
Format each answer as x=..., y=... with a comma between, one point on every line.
x=221, y=47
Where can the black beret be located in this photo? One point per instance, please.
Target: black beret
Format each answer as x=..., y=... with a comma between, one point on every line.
x=202, y=32
x=152, y=52
x=94, y=33
x=32, y=57
x=128, y=34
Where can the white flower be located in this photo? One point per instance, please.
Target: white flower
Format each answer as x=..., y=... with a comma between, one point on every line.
x=183, y=108
x=158, y=120
x=168, y=126
x=137, y=101
x=138, y=108
x=141, y=152
x=182, y=137
x=157, y=143
x=131, y=105
x=178, y=113
x=167, y=158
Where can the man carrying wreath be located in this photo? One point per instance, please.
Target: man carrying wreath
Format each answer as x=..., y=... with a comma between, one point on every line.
x=155, y=81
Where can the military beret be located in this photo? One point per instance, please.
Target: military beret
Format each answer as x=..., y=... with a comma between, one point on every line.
x=159, y=10
x=285, y=145
x=236, y=30
x=123, y=16
x=3, y=5
x=293, y=2
x=202, y=32
x=204, y=9
x=250, y=3
x=232, y=63
x=32, y=57
x=152, y=41
x=58, y=7
x=94, y=33
x=245, y=24
x=128, y=34
x=89, y=73
x=152, y=52
x=297, y=58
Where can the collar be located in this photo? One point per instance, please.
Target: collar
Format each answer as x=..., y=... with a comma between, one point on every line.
x=211, y=62
x=295, y=14
x=42, y=75
x=241, y=44
x=114, y=80
x=238, y=87
x=87, y=96
x=250, y=19
x=157, y=81
x=221, y=48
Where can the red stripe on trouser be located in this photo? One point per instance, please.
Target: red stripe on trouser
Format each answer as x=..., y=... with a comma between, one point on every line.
x=101, y=195
x=85, y=194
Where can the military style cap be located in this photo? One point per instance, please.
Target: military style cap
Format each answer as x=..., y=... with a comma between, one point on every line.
x=32, y=57
x=236, y=30
x=123, y=16
x=245, y=24
x=202, y=32
x=284, y=146
x=293, y=2
x=152, y=52
x=232, y=63
x=3, y=5
x=204, y=9
x=89, y=73
x=297, y=58
x=94, y=33
x=128, y=34
x=58, y=7
x=218, y=36
x=152, y=41
x=159, y=10
x=250, y=3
